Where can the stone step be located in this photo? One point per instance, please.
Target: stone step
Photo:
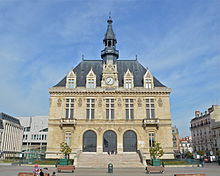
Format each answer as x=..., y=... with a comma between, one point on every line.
x=93, y=160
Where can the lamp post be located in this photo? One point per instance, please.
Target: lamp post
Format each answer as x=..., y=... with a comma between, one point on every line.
x=14, y=153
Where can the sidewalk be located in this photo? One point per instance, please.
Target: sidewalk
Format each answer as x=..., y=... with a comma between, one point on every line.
x=209, y=170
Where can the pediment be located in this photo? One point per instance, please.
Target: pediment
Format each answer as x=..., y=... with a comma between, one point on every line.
x=128, y=74
x=71, y=74
x=148, y=74
x=91, y=74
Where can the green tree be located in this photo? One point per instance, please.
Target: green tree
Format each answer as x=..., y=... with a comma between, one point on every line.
x=218, y=152
x=156, y=151
x=65, y=149
x=189, y=155
x=201, y=152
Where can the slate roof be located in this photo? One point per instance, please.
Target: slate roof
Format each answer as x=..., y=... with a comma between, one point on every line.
x=7, y=117
x=1, y=124
x=109, y=33
x=83, y=68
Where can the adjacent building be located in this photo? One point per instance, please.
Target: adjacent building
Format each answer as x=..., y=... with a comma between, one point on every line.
x=185, y=145
x=35, y=136
x=109, y=104
x=216, y=136
x=1, y=135
x=176, y=141
x=11, y=136
x=205, y=130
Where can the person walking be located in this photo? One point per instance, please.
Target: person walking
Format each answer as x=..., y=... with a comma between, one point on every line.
x=41, y=172
x=36, y=170
x=54, y=174
x=202, y=161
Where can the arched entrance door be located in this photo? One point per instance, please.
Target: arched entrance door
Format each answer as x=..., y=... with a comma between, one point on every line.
x=89, y=141
x=129, y=141
x=109, y=141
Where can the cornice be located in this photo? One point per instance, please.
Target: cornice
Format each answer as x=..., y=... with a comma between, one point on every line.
x=99, y=90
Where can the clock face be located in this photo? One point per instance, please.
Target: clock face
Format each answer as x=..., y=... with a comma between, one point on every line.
x=109, y=81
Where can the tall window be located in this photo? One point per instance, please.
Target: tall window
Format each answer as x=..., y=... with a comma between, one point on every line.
x=128, y=83
x=90, y=109
x=69, y=108
x=109, y=109
x=129, y=109
x=68, y=138
x=148, y=83
x=150, y=111
x=151, y=139
x=71, y=83
x=91, y=83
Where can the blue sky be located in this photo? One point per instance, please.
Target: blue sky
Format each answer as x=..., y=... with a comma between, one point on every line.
x=178, y=40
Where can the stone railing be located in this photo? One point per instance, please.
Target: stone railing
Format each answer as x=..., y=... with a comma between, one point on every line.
x=67, y=122
x=77, y=156
x=148, y=122
x=142, y=157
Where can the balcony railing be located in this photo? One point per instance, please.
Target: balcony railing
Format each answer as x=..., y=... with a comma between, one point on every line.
x=150, y=122
x=67, y=122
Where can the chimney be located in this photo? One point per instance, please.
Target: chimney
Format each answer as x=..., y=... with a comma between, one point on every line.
x=197, y=113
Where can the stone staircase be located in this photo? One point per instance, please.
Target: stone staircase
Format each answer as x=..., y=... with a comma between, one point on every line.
x=101, y=160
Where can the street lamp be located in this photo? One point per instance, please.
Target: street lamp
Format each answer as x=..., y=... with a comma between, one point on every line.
x=14, y=153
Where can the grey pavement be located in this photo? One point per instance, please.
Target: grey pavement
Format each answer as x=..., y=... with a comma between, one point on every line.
x=209, y=170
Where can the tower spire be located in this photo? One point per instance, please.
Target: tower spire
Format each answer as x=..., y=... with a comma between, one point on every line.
x=109, y=52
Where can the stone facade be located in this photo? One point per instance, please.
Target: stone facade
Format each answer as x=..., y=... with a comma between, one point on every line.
x=205, y=130
x=109, y=104
x=176, y=141
x=185, y=145
x=11, y=137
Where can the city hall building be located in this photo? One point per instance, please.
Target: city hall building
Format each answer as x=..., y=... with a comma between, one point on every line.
x=109, y=104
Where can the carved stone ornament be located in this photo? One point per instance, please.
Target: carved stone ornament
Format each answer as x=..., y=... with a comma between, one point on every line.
x=80, y=102
x=139, y=102
x=100, y=102
x=99, y=129
x=160, y=102
x=119, y=129
x=119, y=102
x=59, y=102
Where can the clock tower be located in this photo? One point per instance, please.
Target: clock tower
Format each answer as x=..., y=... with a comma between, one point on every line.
x=109, y=55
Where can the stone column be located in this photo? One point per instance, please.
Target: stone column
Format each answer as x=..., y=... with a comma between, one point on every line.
x=99, y=140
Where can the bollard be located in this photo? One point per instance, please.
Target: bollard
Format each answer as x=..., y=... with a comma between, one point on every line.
x=110, y=168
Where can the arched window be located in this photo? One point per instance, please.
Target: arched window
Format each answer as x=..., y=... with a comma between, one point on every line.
x=89, y=141
x=109, y=141
x=129, y=141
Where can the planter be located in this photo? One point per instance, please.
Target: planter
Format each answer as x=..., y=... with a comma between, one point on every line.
x=63, y=162
x=155, y=162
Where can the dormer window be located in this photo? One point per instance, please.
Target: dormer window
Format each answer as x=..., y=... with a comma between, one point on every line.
x=91, y=80
x=148, y=83
x=91, y=83
x=128, y=80
x=148, y=80
x=128, y=83
x=70, y=83
x=71, y=80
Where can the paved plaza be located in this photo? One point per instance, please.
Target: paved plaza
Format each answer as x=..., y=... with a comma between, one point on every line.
x=209, y=170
